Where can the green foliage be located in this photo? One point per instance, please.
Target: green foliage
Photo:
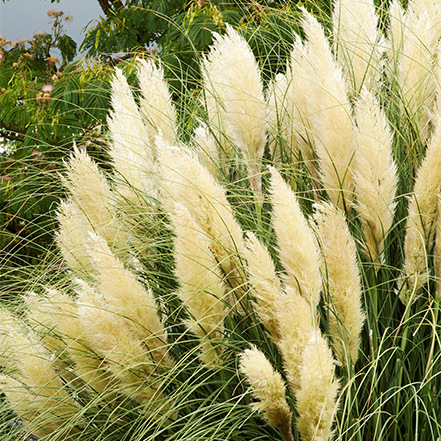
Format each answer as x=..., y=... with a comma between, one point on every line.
x=182, y=30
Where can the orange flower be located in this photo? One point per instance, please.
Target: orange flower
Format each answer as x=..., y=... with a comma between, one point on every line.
x=52, y=60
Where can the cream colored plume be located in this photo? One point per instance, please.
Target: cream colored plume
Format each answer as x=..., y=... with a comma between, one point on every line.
x=156, y=106
x=72, y=235
x=297, y=248
x=268, y=387
x=420, y=226
x=41, y=323
x=235, y=100
x=343, y=282
x=207, y=150
x=201, y=287
x=359, y=43
x=298, y=102
x=88, y=188
x=128, y=298
x=33, y=386
x=131, y=148
x=186, y=181
x=375, y=174
x=395, y=40
x=436, y=111
x=317, y=396
x=126, y=357
x=41, y=416
x=329, y=115
x=416, y=77
x=296, y=320
x=91, y=193
x=265, y=284
x=58, y=312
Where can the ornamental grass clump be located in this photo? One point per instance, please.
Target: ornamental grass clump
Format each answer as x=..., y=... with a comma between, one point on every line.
x=259, y=258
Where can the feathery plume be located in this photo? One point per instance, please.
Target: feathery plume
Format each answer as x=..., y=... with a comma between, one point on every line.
x=37, y=411
x=298, y=103
x=127, y=297
x=359, y=43
x=71, y=236
x=436, y=111
x=39, y=317
x=212, y=70
x=421, y=221
x=232, y=77
x=156, y=106
x=131, y=149
x=298, y=93
x=58, y=312
x=201, y=287
x=375, y=173
x=205, y=145
x=36, y=380
x=415, y=69
x=91, y=192
x=329, y=115
x=397, y=19
x=317, y=396
x=264, y=282
x=296, y=320
x=268, y=387
x=297, y=248
x=88, y=187
x=125, y=355
x=186, y=181
x=346, y=316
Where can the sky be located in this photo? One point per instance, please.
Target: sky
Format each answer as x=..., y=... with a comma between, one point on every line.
x=21, y=18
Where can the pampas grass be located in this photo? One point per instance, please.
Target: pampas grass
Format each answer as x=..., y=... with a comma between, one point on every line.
x=258, y=259
x=202, y=290
x=421, y=31
x=156, y=106
x=375, y=174
x=267, y=386
x=132, y=150
x=265, y=284
x=234, y=91
x=359, y=43
x=421, y=221
x=186, y=181
x=297, y=248
x=316, y=398
x=329, y=115
x=346, y=316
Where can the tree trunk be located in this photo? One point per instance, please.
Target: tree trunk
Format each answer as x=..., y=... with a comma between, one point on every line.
x=108, y=5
